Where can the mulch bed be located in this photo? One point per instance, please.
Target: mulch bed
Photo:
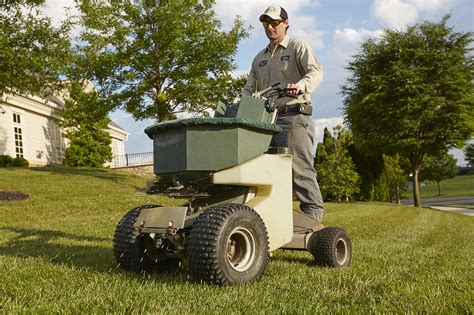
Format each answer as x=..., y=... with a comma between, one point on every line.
x=12, y=195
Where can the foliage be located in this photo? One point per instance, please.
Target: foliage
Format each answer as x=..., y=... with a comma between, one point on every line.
x=85, y=120
x=158, y=58
x=88, y=148
x=469, y=153
x=438, y=168
x=411, y=93
x=320, y=151
x=406, y=260
x=466, y=170
x=392, y=181
x=33, y=52
x=20, y=162
x=369, y=168
x=337, y=177
x=6, y=161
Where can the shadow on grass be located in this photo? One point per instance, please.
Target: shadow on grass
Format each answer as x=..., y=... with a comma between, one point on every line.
x=82, y=171
x=83, y=252
x=288, y=256
x=49, y=245
x=53, y=246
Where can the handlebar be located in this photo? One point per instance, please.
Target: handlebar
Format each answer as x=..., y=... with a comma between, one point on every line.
x=282, y=92
x=274, y=86
x=276, y=92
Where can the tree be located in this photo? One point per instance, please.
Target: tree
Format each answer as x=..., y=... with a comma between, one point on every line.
x=469, y=153
x=369, y=168
x=337, y=177
x=156, y=58
x=393, y=179
x=33, y=53
x=320, y=149
x=411, y=93
x=85, y=120
x=438, y=168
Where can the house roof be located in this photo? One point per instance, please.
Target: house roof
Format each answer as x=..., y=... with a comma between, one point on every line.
x=113, y=124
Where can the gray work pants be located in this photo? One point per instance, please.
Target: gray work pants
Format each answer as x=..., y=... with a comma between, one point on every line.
x=298, y=134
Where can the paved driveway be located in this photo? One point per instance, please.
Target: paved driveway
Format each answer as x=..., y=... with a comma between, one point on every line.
x=442, y=203
x=457, y=201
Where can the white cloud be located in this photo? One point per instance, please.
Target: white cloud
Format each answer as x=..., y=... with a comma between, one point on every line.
x=302, y=25
x=239, y=72
x=305, y=28
x=395, y=13
x=56, y=9
x=401, y=13
x=320, y=124
x=346, y=42
x=429, y=5
x=250, y=10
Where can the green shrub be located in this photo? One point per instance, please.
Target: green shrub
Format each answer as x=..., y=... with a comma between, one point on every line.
x=88, y=147
x=20, y=162
x=6, y=160
x=466, y=170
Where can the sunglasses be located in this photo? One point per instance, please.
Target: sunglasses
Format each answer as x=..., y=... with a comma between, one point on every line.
x=273, y=23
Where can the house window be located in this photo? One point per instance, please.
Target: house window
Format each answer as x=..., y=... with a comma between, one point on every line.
x=18, y=132
x=17, y=118
x=18, y=142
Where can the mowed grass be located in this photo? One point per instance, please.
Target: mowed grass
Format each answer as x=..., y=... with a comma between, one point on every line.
x=460, y=186
x=56, y=256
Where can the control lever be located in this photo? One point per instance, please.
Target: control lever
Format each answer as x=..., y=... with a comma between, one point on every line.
x=259, y=93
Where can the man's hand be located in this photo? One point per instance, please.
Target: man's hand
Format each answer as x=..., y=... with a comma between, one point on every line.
x=296, y=90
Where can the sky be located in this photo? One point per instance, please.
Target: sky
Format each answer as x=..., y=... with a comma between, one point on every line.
x=333, y=28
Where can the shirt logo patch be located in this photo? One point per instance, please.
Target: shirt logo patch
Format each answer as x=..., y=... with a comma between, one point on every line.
x=262, y=63
x=286, y=57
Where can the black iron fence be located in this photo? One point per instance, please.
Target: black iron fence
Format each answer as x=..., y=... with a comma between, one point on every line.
x=135, y=159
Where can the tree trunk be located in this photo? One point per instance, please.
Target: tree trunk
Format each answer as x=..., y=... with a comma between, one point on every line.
x=416, y=190
x=397, y=196
x=439, y=188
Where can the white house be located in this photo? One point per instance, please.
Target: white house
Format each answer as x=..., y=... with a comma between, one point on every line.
x=28, y=130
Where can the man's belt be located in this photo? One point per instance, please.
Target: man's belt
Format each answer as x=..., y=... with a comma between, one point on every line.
x=304, y=109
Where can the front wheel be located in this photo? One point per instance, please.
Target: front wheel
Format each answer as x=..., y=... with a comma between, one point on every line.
x=228, y=244
x=331, y=247
x=137, y=252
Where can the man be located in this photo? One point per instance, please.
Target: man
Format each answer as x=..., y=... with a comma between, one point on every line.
x=292, y=63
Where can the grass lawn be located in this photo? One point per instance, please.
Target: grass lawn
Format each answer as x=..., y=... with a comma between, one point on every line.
x=56, y=256
x=460, y=186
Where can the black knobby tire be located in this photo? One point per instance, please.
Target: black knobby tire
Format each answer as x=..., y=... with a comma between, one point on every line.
x=331, y=247
x=228, y=244
x=130, y=248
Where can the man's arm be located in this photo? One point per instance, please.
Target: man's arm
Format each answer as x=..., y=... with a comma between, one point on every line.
x=309, y=67
x=251, y=85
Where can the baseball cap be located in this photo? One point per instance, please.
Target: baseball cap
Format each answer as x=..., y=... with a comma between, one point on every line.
x=275, y=12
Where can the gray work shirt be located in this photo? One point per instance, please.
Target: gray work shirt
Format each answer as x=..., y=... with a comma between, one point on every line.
x=292, y=62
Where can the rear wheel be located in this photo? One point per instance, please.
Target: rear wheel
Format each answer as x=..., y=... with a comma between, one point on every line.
x=137, y=252
x=228, y=244
x=331, y=247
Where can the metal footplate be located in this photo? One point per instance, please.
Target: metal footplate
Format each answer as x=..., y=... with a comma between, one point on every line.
x=303, y=228
x=163, y=220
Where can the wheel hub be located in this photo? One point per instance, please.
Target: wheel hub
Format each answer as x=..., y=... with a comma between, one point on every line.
x=241, y=249
x=341, y=251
